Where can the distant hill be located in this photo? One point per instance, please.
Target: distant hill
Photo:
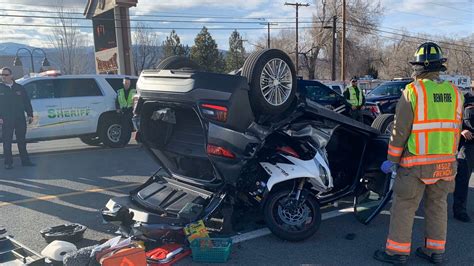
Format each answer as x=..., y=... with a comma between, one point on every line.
x=10, y=48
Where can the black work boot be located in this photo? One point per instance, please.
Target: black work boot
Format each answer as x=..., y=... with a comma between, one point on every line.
x=435, y=258
x=462, y=216
x=382, y=256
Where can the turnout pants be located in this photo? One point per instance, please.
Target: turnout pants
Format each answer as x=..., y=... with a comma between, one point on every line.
x=408, y=191
x=18, y=127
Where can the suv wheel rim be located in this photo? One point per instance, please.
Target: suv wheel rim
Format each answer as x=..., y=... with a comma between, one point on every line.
x=114, y=132
x=276, y=82
x=389, y=128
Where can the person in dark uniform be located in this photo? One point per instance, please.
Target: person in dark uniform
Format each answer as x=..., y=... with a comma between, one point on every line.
x=14, y=103
x=465, y=157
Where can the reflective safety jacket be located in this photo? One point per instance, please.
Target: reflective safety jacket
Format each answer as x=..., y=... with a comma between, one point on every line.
x=427, y=129
x=354, y=96
x=125, y=103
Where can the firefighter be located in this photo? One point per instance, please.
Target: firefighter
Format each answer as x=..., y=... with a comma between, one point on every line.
x=355, y=97
x=422, y=150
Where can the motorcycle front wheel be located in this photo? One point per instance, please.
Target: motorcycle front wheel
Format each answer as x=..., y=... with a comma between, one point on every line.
x=291, y=219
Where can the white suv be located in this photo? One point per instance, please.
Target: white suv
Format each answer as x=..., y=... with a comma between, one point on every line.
x=76, y=106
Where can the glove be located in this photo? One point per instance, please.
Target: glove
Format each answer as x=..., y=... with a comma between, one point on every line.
x=387, y=167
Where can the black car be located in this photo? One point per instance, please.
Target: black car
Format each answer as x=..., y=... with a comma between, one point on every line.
x=386, y=95
x=315, y=91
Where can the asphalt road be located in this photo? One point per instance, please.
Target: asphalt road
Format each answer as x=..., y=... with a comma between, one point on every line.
x=72, y=182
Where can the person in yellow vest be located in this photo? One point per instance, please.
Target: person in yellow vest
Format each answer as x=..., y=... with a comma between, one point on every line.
x=124, y=102
x=355, y=97
x=422, y=152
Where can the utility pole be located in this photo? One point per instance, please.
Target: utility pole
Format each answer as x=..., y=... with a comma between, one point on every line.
x=333, y=63
x=268, y=31
x=296, y=5
x=343, y=69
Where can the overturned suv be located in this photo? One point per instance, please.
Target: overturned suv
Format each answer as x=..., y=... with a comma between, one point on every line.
x=246, y=139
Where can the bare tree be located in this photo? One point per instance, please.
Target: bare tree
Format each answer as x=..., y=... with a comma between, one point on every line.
x=146, y=51
x=317, y=44
x=70, y=44
x=460, y=53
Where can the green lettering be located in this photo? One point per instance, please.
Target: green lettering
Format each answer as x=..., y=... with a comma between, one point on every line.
x=66, y=113
x=51, y=113
x=87, y=111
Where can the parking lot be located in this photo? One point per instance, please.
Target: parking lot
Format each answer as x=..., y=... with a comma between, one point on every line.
x=72, y=182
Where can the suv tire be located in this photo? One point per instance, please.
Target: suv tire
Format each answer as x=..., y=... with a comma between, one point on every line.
x=272, y=80
x=384, y=123
x=112, y=133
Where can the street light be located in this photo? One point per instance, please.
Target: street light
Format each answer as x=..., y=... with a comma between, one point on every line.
x=17, y=61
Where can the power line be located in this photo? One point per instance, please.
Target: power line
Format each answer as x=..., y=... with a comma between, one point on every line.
x=408, y=36
x=221, y=28
x=162, y=28
x=165, y=14
x=458, y=9
x=398, y=39
x=362, y=30
x=446, y=19
x=142, y=20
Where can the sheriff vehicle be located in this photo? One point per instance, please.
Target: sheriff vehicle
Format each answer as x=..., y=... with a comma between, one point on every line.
x=68, y=106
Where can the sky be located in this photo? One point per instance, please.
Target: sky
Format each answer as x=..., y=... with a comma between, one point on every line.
x=432, y=17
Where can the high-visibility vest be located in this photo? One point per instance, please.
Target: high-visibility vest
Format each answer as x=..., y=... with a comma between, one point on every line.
x=437, y=122
x=353, y=100
x=126, y=103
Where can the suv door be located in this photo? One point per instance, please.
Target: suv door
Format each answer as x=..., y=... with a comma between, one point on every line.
x=325, y=96
x=82, y=103
x=47, y=119
x=374, y=189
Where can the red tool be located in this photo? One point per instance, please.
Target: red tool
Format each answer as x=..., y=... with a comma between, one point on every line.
x=166, y=255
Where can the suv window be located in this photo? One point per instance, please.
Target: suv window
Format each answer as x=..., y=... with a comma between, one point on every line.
x=78, y=87
x=320, y=93
x=117, y=83
x=388, y=89
x=41, y=89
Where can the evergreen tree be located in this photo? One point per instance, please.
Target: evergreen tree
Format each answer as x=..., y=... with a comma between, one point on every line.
x=236, y=55
x=172, y=46
x=205, y=53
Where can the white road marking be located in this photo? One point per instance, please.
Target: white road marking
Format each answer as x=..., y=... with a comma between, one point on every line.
x=74, y=151
x=265, y=231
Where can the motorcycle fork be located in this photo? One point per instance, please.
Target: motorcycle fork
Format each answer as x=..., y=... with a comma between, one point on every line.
x=300, y=188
